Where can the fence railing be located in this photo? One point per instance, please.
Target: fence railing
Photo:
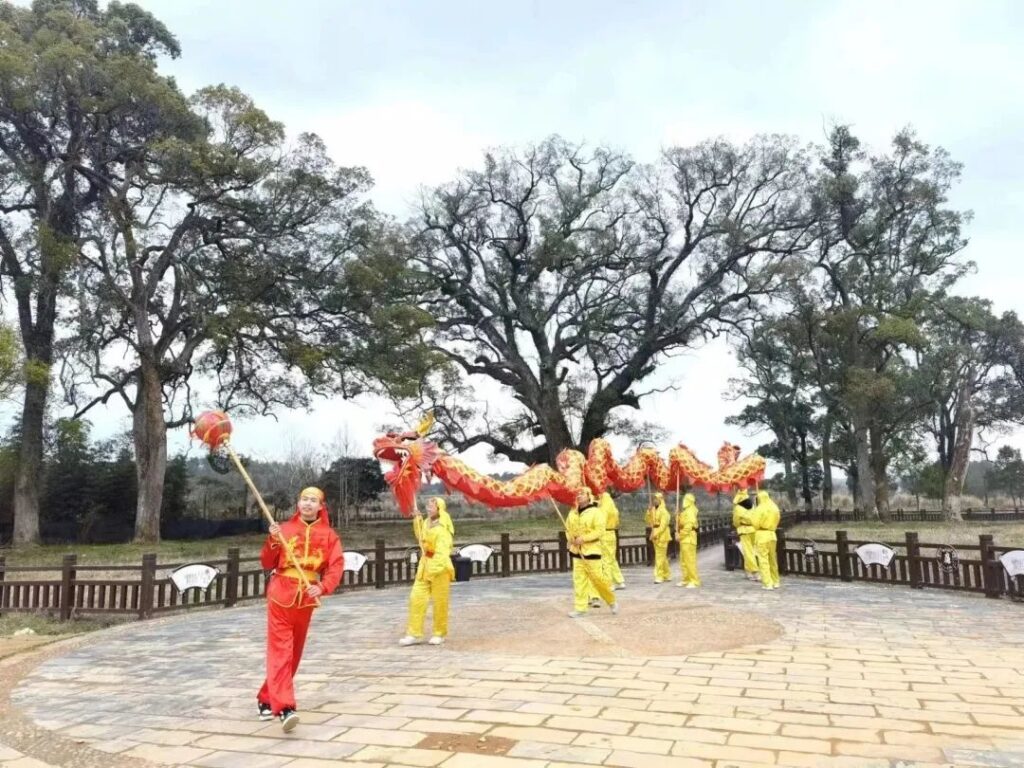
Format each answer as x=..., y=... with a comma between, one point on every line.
x=900, y=515
x=146, y=589
x=915, y=564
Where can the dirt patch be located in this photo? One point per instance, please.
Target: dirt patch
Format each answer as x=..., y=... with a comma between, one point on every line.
x=642, y=628
x=467, y=742
x=12, y=645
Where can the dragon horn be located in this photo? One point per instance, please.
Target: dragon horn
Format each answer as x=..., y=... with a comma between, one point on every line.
x=425, y=424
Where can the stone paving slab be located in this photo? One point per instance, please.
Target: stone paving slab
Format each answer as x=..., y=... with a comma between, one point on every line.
x=863, y=676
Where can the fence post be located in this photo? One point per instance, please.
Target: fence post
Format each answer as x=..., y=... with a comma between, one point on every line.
x=914, y=560
x=146, y=586
x=67, y=586
x=379, y=564
x=780, y=550
x=231, y=588
x=989, y=567
x=3, y=576
x=843, y=548
x=506, y=555
x=563, y=552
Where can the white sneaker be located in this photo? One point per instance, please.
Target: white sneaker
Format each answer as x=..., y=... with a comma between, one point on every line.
x=691, y=586
x=620, y=586
x=658, y=581
x=615, y=609
x=764, y=587
x=436, y=640
x=681, y=584
x=576, y=614
x=410, y=640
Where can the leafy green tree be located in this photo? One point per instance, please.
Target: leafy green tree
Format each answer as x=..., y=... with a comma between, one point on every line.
x=886, y=244
x=1008, y=474
x=968, y=365
x=79, y=98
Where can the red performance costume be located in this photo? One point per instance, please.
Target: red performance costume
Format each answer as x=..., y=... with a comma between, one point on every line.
x=317, y=548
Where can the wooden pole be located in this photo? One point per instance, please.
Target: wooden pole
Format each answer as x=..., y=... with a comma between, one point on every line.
x=270, y=518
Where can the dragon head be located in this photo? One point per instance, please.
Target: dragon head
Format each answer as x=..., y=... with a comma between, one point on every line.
x=411, y=458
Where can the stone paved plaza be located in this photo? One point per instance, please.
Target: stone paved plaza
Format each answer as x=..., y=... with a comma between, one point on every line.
x=860, y=676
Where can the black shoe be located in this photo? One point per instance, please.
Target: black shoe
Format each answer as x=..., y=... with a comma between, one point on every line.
x=266, y=713
x=289, y=719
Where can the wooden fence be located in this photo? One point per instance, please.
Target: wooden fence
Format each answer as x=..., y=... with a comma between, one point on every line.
x=915, y=564
x=145, y=589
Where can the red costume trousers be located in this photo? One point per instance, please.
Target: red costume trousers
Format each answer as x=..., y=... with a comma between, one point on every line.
x=286, y=637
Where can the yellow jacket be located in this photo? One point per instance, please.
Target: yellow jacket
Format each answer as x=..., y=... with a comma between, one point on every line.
x=611, y=512
x=436, y=546
x=660, y=521
x=587, y=525
x=686, y=521
x=742, y=518
x=765, y=516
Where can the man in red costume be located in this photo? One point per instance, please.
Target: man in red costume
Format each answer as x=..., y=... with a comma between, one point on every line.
x=317, y=550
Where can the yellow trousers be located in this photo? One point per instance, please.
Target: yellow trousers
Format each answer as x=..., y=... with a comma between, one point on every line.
x=423, y=591
x=661, y=569
x=587, y=581
x=749, y=553
x=688, y=563
x=610, y=560
x=767, y=561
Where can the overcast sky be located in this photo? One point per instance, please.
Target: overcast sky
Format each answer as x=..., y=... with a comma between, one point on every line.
x=415, y=90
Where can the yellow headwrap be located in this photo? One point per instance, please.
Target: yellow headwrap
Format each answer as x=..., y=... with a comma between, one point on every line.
x=313, y=491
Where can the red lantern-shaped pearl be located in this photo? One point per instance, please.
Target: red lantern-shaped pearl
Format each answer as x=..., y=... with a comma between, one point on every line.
x=212, y=427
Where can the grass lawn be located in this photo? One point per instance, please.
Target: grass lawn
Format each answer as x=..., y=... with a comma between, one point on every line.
x=1003, y=534
x=359, y=536
x=45, y=625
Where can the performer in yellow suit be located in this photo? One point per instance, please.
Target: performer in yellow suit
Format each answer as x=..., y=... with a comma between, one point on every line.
x=661, y=535
x=686, y=535
x=434, y=574
x=584, y=530
x=742, y=521
x=766, y=519
x=609, y=542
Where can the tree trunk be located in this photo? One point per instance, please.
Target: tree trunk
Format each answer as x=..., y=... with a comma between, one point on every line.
x=960, y=457
x=879, y=472
x=805, y=473
x=865, y=484
x=556, y=431
x=826, y=463
x=30, y=462
x=150, y=434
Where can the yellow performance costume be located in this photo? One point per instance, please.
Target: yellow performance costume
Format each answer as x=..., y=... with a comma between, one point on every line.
x=766, y=519
x=742, y=521
x=610, y=543
x=686, y=535
x=584, y=529
x=661, y=535
x=434, y=574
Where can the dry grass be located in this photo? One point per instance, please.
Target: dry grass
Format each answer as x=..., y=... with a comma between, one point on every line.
x=359, y=536
x=42, y=624
x=1009, y=534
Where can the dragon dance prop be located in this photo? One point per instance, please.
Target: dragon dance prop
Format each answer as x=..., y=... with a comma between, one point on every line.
x=414, y=458
x=213, y=429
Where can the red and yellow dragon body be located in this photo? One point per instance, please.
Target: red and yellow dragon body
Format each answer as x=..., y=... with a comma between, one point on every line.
x=414, y=458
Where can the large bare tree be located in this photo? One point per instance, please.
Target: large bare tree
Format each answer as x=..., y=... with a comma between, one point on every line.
x=565, y=275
